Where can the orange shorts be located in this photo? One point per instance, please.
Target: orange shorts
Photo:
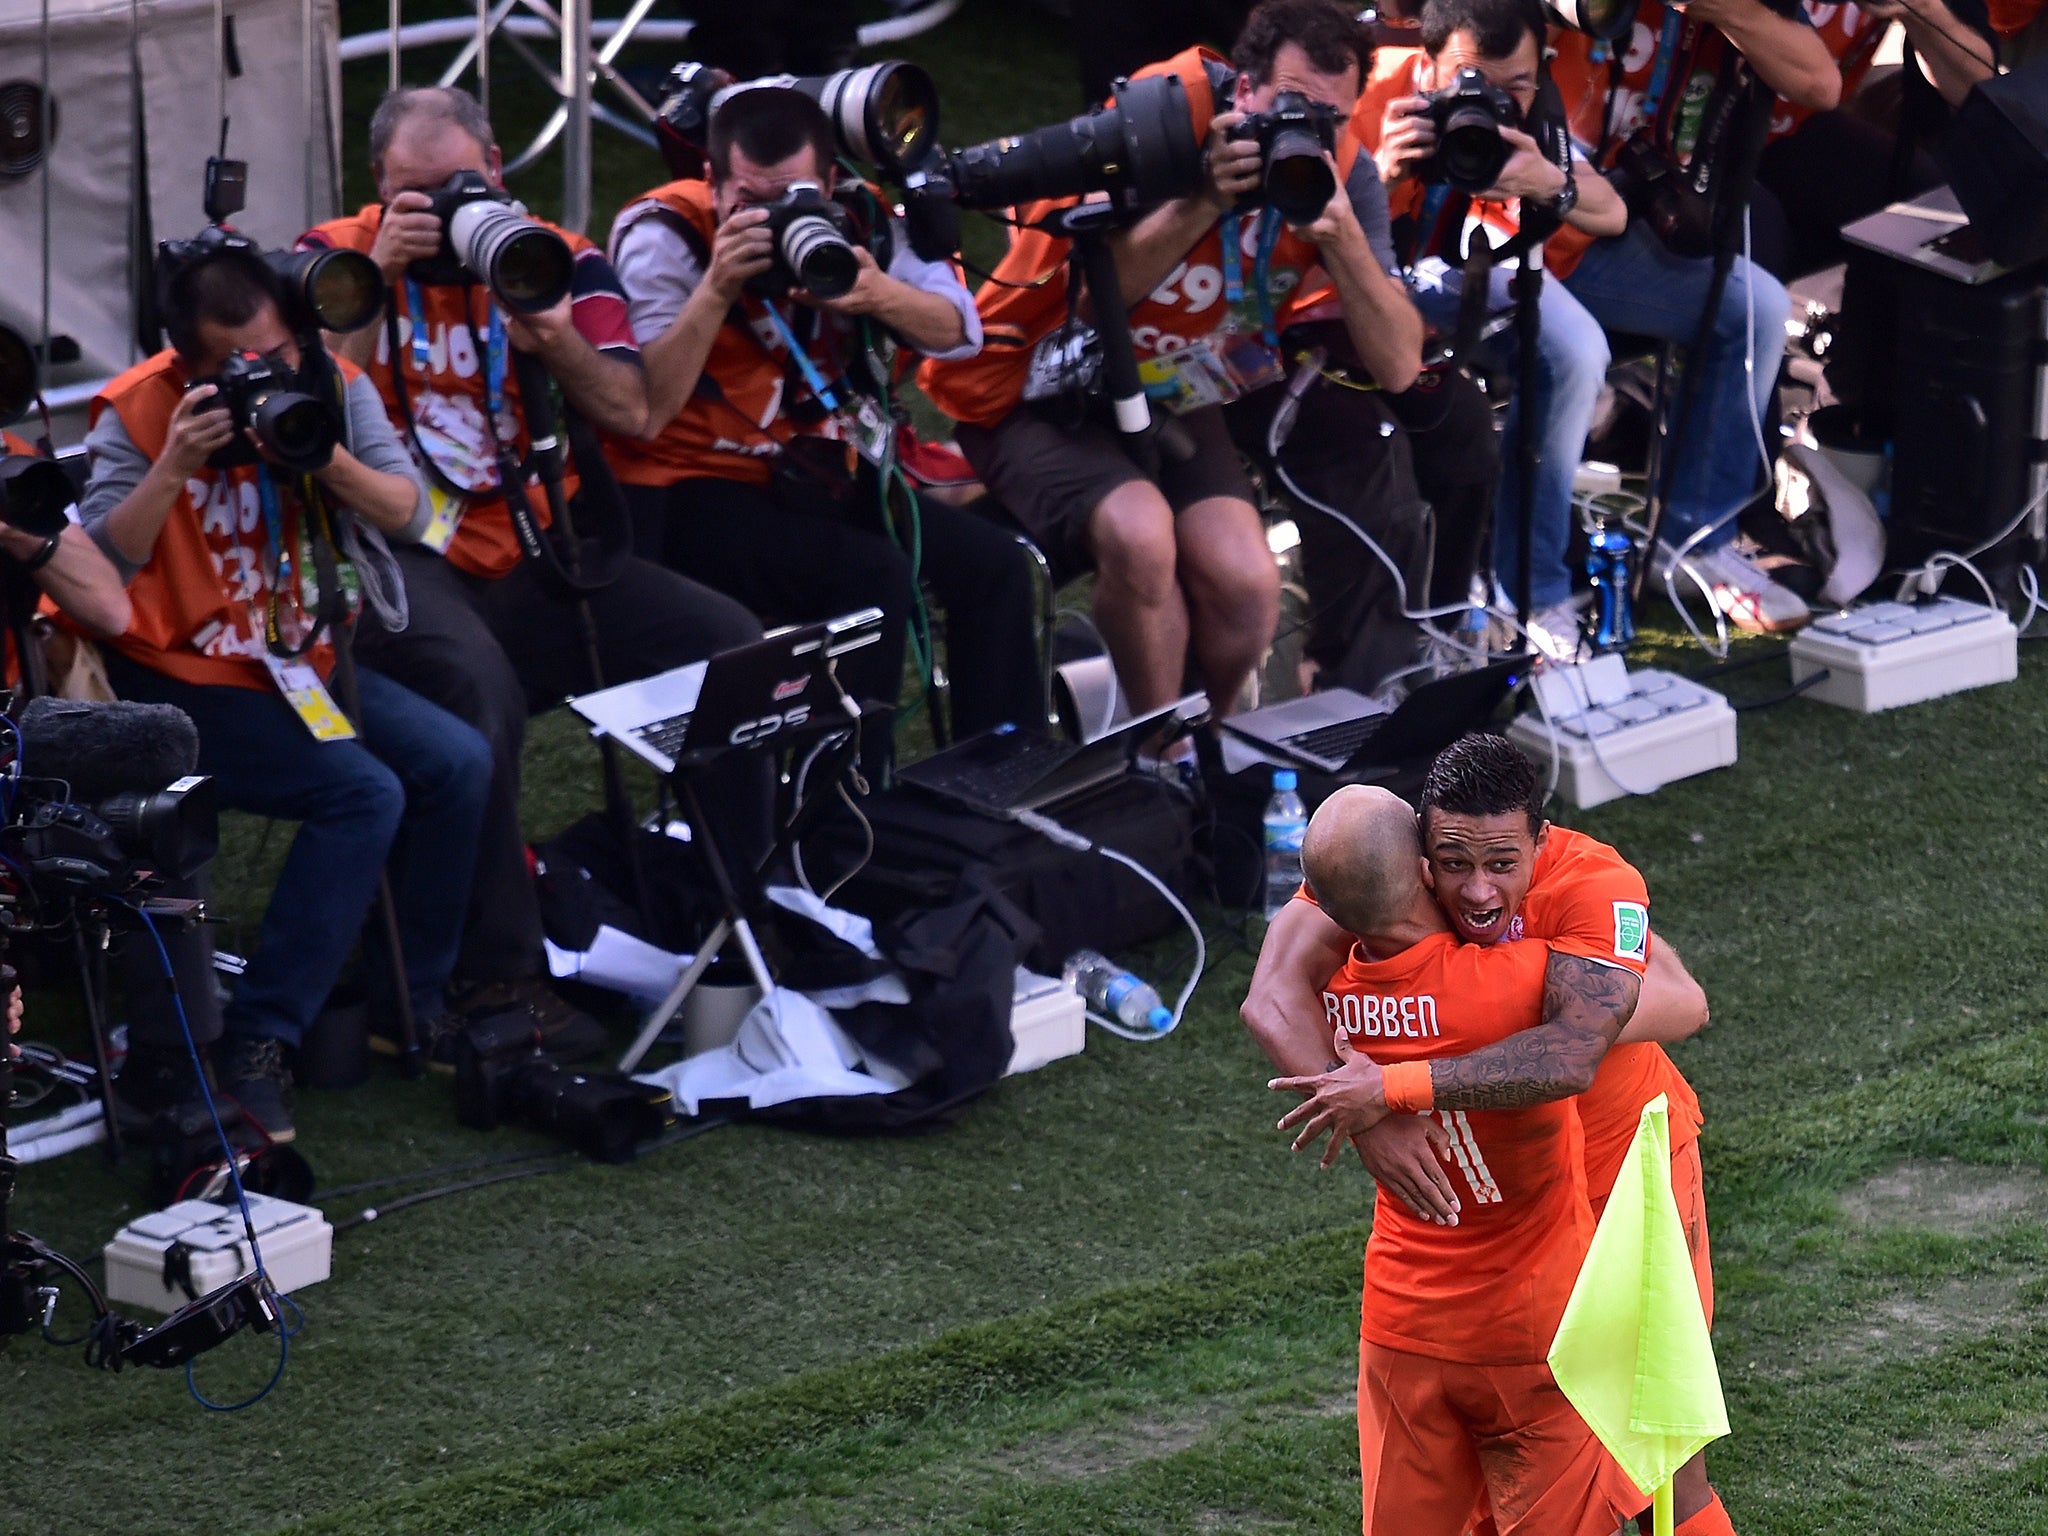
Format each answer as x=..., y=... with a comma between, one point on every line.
x=1441, y=1443
x=1689, y=1186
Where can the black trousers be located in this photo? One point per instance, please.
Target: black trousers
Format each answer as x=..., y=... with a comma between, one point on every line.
x=493, y=651
x=792, y=566
x=1416, y=471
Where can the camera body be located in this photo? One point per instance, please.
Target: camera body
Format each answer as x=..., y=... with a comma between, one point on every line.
x=1660, y=192
x=814, y=237
x=1468, y=115
x=502, y=1073
x=1293, y=135
x=132, y=836
x=297, y=430
x=487, y=237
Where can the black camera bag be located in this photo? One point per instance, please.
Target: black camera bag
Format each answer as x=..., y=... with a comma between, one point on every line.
x=925, y=846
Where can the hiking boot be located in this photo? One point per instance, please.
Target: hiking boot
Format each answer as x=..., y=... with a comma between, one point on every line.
x=436, y=1036
x=154, y=1080
x=252, y=1072
x=561, y=1029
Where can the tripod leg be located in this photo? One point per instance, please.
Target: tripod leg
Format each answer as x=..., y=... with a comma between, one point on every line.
x=659, y=1015
x=92, y=982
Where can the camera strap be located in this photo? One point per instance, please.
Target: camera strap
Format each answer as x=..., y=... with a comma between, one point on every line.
x=814, y=381
x=1231, y=232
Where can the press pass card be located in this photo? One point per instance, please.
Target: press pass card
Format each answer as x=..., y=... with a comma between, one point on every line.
x=1213, y=370
x=309, y=699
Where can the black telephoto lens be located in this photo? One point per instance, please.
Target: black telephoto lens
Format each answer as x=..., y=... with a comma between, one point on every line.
x=296, y=430
x=337, y=290
x=34, y=494
x=1143, y=148
x=1299, y=182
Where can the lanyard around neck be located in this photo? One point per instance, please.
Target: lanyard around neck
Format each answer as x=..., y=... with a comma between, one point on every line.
x=494, y=345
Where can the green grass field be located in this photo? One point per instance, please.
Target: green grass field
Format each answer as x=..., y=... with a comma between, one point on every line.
x=1109, y=1301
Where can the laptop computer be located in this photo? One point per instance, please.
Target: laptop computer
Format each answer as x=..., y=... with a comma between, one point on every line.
x=1009, y=769
x=781, y=685
x=1345, y=734
x=1931, y=231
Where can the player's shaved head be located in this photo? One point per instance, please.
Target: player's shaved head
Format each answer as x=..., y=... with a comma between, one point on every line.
x=1362, y=856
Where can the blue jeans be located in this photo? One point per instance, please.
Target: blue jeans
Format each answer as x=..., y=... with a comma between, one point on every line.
x=1632, y=283
x=412, y=786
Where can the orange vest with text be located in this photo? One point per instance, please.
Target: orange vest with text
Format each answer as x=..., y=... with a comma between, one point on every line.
x=201, y=600
x=484, y=543
x=736, y=420
x=1186, y=306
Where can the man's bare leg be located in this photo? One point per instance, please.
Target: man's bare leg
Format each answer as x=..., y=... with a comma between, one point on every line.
x=1233, y=593
x=1138, y=602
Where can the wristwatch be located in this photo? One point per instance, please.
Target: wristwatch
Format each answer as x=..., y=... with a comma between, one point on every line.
x=1567, y=197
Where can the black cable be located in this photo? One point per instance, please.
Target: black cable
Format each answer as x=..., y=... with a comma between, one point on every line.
x=558, y=1161
x=1741, y=663
x=442, y=1170
x=1790, y=693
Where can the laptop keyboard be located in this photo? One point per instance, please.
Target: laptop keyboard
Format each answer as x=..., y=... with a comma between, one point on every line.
x=990, y=778
x=1337, y=741
x=666, y=736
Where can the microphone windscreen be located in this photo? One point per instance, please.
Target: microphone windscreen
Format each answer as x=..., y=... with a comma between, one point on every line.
x=101, y=749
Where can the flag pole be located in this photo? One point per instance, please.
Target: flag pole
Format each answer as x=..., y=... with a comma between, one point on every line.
x=1663, y=1511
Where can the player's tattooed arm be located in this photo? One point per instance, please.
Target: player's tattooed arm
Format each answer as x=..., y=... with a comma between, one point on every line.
x=1585, y=1006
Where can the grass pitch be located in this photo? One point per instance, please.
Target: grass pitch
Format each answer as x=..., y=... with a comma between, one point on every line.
x=1109, y=1301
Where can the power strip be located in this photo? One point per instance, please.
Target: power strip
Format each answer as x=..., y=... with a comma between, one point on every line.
x=1883, y=655
x=298, y=1250
x=1048, y=1020
x=1612, y=732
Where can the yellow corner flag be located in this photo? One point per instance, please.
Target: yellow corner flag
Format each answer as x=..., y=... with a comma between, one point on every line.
x=1632, y=1351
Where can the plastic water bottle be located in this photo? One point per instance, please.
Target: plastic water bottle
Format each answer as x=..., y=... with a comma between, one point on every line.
x=1286, y=821
x=1607, y=556
x=1110, y=989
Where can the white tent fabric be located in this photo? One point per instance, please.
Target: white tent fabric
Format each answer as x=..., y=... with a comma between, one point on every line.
x=138, y=94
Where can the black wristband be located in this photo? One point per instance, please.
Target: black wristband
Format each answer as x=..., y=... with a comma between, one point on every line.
x=45, y=555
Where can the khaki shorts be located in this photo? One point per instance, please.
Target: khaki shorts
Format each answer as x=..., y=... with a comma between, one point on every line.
x=1051, y=477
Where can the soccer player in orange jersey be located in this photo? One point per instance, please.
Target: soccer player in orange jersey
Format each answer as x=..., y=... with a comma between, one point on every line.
x=1500, y=872
x=1458, y=1416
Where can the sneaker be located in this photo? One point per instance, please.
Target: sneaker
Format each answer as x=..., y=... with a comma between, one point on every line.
x=437, y=1040
x=1742, y=590
x=153, y=1081
x=563, y=1030
x=252, y=1073
x=1555, y=633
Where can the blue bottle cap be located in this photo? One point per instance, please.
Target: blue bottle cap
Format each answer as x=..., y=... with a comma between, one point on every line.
x=1284, y=778
x=1161, y=1020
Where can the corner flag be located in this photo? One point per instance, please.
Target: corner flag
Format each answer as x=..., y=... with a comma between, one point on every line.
x=1632, y=1352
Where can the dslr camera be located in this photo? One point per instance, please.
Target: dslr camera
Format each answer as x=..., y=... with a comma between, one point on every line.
x=295, y=429
x=1293, y=135
x=34, y=492
x=504, y=1072
x=1468, y=115
x=487, y=237
x=814, y=237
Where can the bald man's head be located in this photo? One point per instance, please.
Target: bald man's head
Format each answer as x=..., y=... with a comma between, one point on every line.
x=1362, y=857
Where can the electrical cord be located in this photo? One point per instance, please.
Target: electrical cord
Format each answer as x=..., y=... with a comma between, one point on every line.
x=284, y=1334
x=1047, y=828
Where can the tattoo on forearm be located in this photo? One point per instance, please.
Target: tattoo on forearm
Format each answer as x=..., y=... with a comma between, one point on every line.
x=1585, y=1005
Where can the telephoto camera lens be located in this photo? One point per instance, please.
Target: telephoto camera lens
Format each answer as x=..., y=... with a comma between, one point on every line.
x=1142, y=148
x=296, y=430
x=34, y=494
x=341, y=290
x=886, y=113
x=525, y=264
x=1604, y=21
x=819, y=257
x=1468, y=115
